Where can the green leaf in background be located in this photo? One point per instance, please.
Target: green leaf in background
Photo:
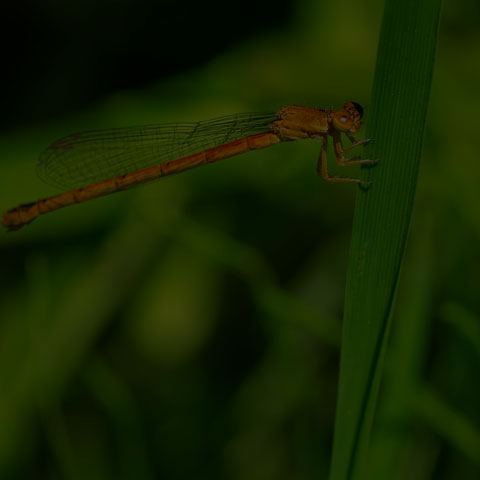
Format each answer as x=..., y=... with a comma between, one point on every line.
x=382, y=216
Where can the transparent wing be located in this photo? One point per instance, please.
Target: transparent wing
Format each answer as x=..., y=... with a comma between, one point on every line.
x=89, y=157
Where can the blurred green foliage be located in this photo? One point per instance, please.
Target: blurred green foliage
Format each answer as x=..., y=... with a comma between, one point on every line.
x=190, y=328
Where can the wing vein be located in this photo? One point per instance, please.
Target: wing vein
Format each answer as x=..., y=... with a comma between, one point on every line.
x=83, y=158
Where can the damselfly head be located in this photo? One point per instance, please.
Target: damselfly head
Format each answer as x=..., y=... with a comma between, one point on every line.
x=349, y=118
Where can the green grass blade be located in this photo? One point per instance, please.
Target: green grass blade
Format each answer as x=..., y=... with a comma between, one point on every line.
x=396, y=122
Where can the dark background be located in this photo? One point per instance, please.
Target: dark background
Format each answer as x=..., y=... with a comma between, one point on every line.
x=60, y=56
x=191, y=328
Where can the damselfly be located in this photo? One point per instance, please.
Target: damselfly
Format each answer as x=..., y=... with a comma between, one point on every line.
x=96, y=163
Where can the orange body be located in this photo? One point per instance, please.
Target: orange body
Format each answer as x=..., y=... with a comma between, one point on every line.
x=292, y=123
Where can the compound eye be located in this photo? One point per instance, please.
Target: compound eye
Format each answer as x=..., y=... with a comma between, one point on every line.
x=342, y=121
x=359, y=109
